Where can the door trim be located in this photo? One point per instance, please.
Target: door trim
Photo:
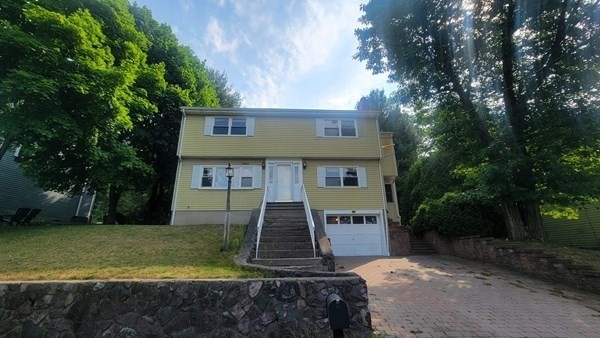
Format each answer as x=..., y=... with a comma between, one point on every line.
x=296, y=173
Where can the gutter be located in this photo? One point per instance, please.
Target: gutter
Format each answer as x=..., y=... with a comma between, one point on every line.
x=179, y=165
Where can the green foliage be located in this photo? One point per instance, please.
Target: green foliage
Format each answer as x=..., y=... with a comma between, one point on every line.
x=455, y=214
x=91, y=90
x=505, y=89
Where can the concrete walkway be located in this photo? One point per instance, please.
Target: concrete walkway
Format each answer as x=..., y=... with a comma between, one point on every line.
x=441, y=296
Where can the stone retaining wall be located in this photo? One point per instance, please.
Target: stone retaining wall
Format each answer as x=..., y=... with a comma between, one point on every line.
x=517, y=256
x=205, y=308
x=399, y=241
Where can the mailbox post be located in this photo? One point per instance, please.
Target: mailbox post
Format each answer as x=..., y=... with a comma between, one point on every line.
x=337, y=312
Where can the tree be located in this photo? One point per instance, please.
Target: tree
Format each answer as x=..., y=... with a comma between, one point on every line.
x=516, y=72
x=188, y=82
x=76, y=92
x=406, y=138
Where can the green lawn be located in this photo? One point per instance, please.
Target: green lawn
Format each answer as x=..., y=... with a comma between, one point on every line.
x=118, y=251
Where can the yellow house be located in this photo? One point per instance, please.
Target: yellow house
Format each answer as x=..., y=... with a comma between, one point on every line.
x=336, y=160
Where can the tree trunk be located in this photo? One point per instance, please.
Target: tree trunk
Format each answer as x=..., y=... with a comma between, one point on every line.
x=533, y=219
x=513, y=220
x=114, y=194
x=6, y=143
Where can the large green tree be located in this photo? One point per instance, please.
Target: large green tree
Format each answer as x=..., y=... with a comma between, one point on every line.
x=76, y=92
x=525, y=77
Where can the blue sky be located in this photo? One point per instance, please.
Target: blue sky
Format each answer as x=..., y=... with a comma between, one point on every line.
x=277, y=53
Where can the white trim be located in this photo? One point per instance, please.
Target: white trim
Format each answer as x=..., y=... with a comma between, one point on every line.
x=271, y=164
x=181, y=132
x=230, y=119
x=383, y=199
x=176, y=193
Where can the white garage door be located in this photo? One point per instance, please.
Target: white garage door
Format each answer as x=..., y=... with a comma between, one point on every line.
x=355, y=234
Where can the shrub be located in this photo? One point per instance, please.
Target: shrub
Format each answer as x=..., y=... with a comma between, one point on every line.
x=455, y=214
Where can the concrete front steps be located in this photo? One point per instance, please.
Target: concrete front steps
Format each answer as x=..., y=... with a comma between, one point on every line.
x=285, y=239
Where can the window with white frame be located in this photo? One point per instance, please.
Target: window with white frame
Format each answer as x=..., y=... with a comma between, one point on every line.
x=336, y=127
x=214, y=177
x=341, y=177
x=229, y=126
x=351, y=219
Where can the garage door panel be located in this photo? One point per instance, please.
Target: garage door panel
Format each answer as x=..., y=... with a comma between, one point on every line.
x=354, y=229
x=355, y=239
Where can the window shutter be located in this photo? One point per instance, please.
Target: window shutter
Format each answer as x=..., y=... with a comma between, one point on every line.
x=362, y=177
x=196, y=176
x=257, y=179
x=209, y=122
x=250, y=122
x=320, y=128
x=321, y=177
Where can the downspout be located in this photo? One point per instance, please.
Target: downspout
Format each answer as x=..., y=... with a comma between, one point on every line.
x=179, y=165
x=383, y=199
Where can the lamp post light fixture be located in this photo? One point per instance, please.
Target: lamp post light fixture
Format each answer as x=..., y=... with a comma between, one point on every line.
x=227, y=227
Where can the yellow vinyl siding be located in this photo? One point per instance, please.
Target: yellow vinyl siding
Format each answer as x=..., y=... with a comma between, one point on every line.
x=348, y=198
x=281, y=137
x=189, y=199
x=389, y=156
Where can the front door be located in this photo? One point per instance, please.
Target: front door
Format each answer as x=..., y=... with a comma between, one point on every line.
x=284, y=181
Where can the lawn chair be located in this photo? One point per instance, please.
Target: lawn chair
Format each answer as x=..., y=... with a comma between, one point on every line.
x=17, y=217
x=31, y=215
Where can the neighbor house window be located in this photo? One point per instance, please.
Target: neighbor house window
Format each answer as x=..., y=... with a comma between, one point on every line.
x=229, y=126
x=336, y=127
x=341, y=177
x=244, y=177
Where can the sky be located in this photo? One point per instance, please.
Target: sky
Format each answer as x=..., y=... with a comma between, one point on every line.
x=277, y=53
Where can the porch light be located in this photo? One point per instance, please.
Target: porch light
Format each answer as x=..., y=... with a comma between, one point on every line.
x=264, y=164
x=304, y=164
x=229, y=171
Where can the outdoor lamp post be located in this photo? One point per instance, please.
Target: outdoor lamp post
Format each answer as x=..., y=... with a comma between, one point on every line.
x=229, y=174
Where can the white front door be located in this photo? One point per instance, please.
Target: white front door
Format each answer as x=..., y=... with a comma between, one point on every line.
x=284, y=181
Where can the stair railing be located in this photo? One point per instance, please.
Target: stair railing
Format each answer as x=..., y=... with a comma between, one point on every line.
x=309, y=218
x=261, y=218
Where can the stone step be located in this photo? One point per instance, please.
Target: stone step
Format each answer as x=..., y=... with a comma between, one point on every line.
x=286, y=253
x=286, y=233
x=271, y=239
x=280, y=204
x=290, y=262
x=287, y=217
x=307, y=245
x=286, y=225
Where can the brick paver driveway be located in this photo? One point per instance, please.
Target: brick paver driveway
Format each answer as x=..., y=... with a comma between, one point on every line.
x=440, y=296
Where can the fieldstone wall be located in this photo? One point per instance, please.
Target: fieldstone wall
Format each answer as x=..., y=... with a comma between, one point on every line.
x=521, y=257
x=195, y=308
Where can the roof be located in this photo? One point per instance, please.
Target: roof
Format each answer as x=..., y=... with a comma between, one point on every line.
x=286, y=112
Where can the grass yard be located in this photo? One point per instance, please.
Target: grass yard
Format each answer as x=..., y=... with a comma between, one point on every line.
x=118, y=252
